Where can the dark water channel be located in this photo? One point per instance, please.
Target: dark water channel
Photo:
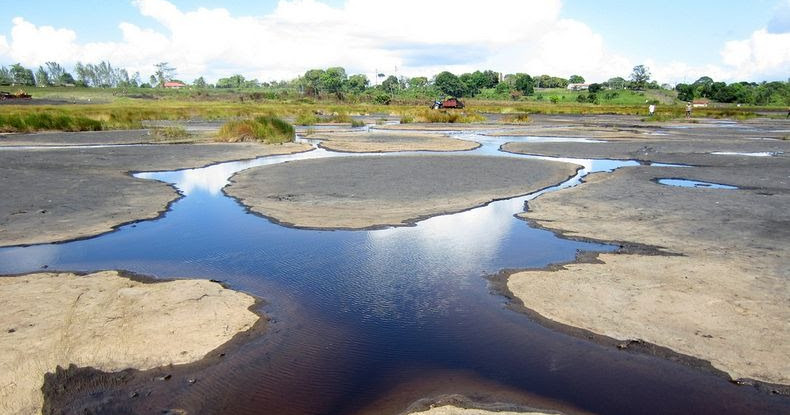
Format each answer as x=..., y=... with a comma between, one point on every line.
x=359, y=314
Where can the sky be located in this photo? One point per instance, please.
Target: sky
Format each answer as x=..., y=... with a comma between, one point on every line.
x=679, y=41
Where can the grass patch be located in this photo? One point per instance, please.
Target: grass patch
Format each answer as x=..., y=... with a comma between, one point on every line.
x=173, y=132
x=661, y=118
x=266, y=129
x=520, y=118
x=442, y=116
x=357, y=123
x=44, y=121
x=306, y=118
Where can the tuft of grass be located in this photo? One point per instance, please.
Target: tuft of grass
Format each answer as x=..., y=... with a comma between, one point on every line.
x=266, y=129
x=406, y=119
x=43, y=121
x=357, y=123
x=340, y=118
x=170, y=133
x=661, y=118
x=306, y=118
x=520, y=118
x=443, y=116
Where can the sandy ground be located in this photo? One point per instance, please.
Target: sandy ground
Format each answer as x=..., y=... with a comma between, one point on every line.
x=109, y=322
x=388, y=141
x=61, y=194
x=365, y=192
x=725, y=298
x=454, y=410
x=438, y=127
x=76, y=138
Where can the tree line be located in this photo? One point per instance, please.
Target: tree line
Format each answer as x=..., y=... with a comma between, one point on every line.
x=335, y=82
x=754, y=93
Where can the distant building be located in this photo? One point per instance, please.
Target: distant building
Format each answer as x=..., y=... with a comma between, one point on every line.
x=578, y=87
x=174, y=85
x=700, y=103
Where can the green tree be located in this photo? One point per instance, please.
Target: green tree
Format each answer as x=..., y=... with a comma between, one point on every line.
x=449, y=84
x=595, y=88
x=67, y=79
x=311, y=82
x=576, y=79
x=418, y=82
x=235, y=81
x=640, y=75
x=702, y=87
x=390, y=84
x=332, y=80
x=199, y=83
x=164, y=73
x=5, y=76
x=357, y=83
x=524, y=83
x=42, y=78
x=55, y=72
x=616, y=83
x=685, y=92
x=503, y=88
x=478, y=80
x=22, y=76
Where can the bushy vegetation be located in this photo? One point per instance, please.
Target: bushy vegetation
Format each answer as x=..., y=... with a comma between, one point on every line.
x=516, y=118
x=266, y=129
x=765, y=93
x=42, y=121
x=441, y=116
x=172, y=132
x=335, y=84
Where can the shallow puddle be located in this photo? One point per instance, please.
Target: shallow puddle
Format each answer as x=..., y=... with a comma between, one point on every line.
x=694, y=183
x=357, y=314
x=748, y=154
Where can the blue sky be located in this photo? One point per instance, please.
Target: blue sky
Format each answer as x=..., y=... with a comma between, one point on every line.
x=692, y=31
x=679, y=39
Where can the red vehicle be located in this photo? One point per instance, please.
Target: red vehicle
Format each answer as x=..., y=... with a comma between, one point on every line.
x=451, y=103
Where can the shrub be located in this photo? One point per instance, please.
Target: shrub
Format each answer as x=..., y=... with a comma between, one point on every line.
x=306, y=118
x=382, y=99
x=517, y=118
x=171, y=132
x=38, y=121
x=338, y=118
x=445, y=116
x=266, y=129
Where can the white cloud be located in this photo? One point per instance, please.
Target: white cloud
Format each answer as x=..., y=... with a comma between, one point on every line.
x=416, y=37
x=506, y=35
x=4, y=48
x=762, y=54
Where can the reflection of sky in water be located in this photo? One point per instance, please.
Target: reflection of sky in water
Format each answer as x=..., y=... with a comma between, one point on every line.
x=407, y=297
x=209, y=234
x=539, y=139
x=752, y=154
x=694, y=183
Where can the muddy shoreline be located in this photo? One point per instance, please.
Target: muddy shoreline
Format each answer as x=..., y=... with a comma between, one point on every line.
x=112, y=320
x=185, y=387
x=81, y=193
x=372, y=192
x=621, y=206
x=386, y=141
